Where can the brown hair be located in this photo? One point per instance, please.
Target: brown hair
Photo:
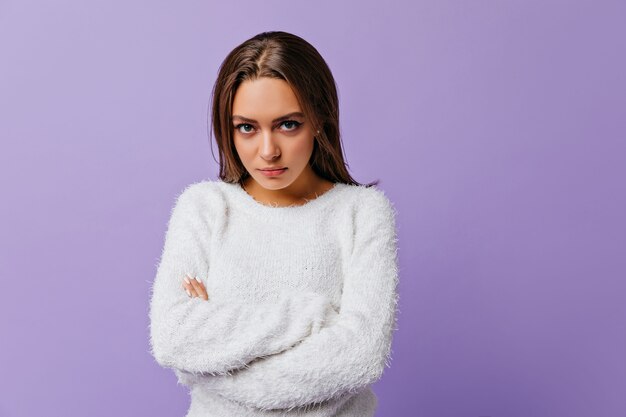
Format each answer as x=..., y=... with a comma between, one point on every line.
x=285, y=56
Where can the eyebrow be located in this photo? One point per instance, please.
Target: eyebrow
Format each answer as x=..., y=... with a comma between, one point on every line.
x=287, y=116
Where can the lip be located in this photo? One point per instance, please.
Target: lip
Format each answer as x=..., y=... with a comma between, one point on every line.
x=272, y=168
x=272, y=172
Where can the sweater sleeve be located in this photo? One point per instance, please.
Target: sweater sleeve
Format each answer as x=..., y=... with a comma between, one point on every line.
x=353, y=348
x=194, y=336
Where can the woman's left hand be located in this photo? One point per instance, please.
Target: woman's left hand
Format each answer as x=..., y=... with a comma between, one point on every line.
x=195, y=287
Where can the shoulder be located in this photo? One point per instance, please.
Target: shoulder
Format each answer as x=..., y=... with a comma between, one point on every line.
x=372, y=201
x=196, y=189
x=372, y=220
x=201, y=194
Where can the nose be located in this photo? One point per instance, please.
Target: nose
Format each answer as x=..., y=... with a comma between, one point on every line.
x=269, y=149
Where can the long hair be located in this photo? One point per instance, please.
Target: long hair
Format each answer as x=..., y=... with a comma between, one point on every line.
x=288, y=57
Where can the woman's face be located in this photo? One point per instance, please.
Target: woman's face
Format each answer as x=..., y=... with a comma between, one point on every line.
x=271, y=131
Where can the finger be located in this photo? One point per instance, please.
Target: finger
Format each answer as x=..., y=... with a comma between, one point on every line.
x=184, y=287
x=199, y=287
x=195, y=284
x=204, y=294
x=191, y=291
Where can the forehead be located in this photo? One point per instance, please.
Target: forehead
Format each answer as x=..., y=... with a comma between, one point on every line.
x=264, y=99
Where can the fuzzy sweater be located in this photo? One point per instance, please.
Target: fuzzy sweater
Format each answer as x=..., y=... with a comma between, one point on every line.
x=302, y=301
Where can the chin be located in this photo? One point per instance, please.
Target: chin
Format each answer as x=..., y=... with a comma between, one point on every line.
x=272, y=183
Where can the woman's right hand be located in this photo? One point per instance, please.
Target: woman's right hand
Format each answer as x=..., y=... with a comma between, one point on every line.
x=195, y=287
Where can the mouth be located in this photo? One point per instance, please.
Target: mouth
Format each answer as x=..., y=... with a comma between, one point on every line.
x=273, y=172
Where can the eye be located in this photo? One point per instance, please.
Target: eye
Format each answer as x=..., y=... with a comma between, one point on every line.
x=244, y=125
x=295, y=125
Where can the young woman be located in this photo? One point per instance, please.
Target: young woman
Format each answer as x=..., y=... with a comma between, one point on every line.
x=276, y=291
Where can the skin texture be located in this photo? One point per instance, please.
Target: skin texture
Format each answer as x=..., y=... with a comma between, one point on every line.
x=262, y=143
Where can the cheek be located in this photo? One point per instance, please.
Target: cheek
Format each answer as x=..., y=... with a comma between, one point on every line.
x=303, y=148
x=245, y=150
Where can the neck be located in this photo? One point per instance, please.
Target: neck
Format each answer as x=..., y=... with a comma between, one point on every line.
x=306, y=187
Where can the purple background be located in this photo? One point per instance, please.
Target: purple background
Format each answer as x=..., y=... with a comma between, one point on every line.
x=496, y=127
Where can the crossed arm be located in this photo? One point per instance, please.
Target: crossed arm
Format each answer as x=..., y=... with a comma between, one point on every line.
x=289, y=354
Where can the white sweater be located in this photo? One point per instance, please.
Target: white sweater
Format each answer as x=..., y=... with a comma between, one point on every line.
x=302, y=301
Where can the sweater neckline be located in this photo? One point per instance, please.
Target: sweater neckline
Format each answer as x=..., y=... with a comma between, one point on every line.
x=249, y=201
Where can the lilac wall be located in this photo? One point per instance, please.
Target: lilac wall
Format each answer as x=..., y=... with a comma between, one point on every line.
x=497, y=127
